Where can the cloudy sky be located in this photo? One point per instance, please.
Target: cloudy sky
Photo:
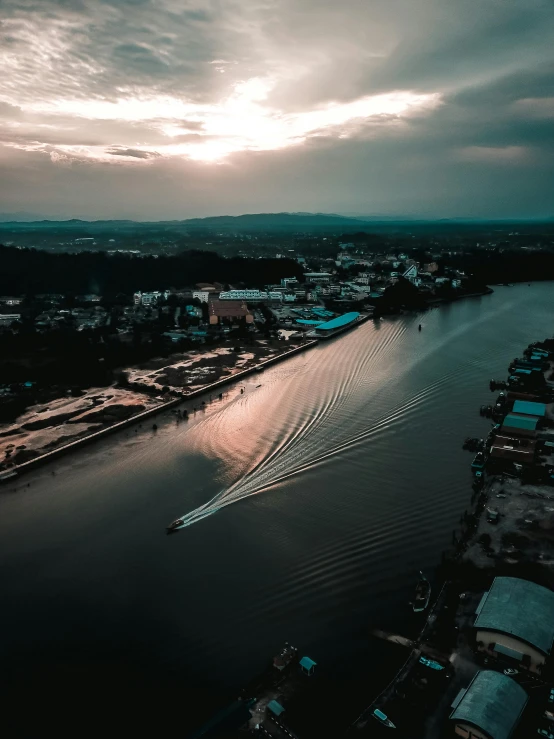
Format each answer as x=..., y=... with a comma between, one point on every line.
x=155, y=109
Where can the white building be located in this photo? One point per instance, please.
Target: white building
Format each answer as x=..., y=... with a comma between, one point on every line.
x=251, y=295
x=318, y=278
x=202, y=295
x=151, y=298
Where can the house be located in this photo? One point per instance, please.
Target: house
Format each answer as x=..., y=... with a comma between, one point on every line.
x=515, y=623
x=202, y=295
x=412, y=276
x=430, y=267
x=228, y=312
x=489, y=708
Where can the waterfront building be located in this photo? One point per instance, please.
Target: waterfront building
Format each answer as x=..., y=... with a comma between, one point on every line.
x=530, y=409
x=515, y=623
x=517, y=424
x=489, y=708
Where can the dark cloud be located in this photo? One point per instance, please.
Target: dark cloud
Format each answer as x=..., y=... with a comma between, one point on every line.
x=135, y=153
x=139, y=93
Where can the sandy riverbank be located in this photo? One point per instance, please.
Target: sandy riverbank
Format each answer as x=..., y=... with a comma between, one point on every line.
x=45, y=427
x=66, y=423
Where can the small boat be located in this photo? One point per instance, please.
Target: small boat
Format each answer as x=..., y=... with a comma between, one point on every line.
x=383, y=719
x=419, y=327
x=174, y=525
x=422, y=594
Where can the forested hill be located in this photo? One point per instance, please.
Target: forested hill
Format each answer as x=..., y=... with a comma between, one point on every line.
x=33, y=271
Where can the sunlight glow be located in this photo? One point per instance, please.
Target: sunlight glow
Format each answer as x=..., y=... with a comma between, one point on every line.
x=243, y=121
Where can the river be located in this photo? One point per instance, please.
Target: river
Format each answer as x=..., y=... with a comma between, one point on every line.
x=312, y=500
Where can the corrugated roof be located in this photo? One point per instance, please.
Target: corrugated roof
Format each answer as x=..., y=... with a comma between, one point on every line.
x=517, y=421
x=529, y=409
x=493, y=703
x=520, y=608
x=338, y=322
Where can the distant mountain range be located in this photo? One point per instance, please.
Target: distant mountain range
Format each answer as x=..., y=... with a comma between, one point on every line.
x=254, y=222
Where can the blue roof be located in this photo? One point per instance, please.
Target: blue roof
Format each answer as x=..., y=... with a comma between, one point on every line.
x=338, y=322
x=529, y=409
x=275, y=707
x=307, y=663
x=305, y=322
x=521, y=609
x=516, y=421
x=492, y=703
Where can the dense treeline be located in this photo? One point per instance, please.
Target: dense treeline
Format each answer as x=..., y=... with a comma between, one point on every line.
x=490, y=267
x=32, y=271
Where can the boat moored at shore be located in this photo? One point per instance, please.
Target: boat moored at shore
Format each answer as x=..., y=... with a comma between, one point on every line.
x=422, y=594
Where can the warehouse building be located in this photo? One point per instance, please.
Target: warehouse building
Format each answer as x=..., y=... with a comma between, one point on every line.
x=515, y=623
x=489, y=708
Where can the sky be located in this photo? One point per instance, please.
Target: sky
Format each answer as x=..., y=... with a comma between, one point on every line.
x=157, y=109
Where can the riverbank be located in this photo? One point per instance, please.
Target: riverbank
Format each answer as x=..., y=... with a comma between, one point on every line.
x=81, y=415
x=507, y=532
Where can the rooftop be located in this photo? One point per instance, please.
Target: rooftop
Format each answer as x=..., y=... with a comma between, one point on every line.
x=228, y=309
x=518, y=421
x=530, y=409
x=520, y=608
x=492, y=703
x=338, y=322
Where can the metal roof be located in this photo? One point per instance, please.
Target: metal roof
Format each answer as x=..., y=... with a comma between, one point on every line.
x=492, y=703
x=517, y=421
x=529, y=409
x=338, y=322
x=307, y=663
x=519, y=608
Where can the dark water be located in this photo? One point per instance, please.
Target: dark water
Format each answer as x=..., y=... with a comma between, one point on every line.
x=314, y=501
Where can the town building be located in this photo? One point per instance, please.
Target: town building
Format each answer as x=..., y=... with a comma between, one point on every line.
x=517, y=424
x=489, y=708
x=506, y=451
x=10, y=300
x=318, y=278
x=202, y=295
x=430, y=267
x=6, y=319
x=252, y=295
x=151, y=298
x=515, y=623
x=228, y=312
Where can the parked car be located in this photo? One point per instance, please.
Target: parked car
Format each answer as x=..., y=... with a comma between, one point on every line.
x=511, y=671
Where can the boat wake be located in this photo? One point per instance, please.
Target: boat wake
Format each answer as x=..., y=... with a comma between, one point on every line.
x=351, y=408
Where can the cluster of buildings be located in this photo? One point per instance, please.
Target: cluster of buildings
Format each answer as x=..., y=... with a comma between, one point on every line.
x=521, y=441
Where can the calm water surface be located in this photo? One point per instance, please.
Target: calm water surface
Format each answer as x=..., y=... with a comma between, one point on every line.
x=312, y=502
